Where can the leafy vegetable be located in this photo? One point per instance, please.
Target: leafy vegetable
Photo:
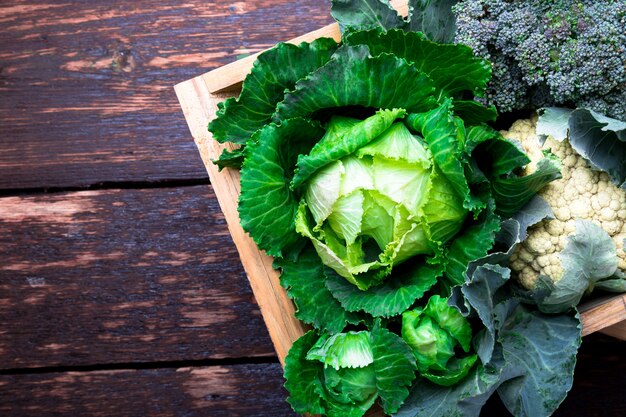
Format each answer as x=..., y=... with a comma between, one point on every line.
x=372, y=177
x=344, y=374
x=433, y=333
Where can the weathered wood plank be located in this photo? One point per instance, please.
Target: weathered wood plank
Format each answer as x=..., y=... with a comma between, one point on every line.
x=255, y=390
x=230, y=76
x=85, y=87
x=239, y=390
x=610, y=312
x=122, y=276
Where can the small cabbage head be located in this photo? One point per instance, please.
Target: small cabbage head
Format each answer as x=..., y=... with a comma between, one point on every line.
x=349, y=375
x=382, y=203
x=434, y=333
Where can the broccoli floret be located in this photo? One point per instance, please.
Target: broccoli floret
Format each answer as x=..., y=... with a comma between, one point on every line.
x=562, y=52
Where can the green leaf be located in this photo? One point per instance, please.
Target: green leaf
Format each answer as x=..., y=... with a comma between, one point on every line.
x=304, y=282
x=553, y=121
x=445, y=137
x=601, y=141
x=457, y=369
x=365, y=14
x=540, y=354
x=343, y=350
x=474, y=113
x=303, y=377
x=474, y=243
x=464, y=399
x=353, y=78
x=434, y=18
x=333, y=255
x=350, y=392
x=500, y=156
x=267, y=207
x=512, y=192
x=481, y=293
x=617, y=285
x=230, y=159
x=590, y=255
x=274, y=71
x=343, y=137
x=450, y=320
x=453, y=68
x=394, y=365
x=406, y=284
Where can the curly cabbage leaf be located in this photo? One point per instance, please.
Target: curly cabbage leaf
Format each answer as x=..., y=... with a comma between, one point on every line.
x=267, y=206
x=304, y=281
x=274, y=72
x=453, y=68
x=354, y=78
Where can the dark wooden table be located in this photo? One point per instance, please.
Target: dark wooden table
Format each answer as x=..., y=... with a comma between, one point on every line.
x=121, y=293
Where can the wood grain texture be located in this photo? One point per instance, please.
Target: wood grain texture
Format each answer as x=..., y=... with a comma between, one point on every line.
x=229, y=77
x=85, y=86
x=255, y=390
x=199, y=106
x=609, y=313
x=224, y=391
x=119, y=276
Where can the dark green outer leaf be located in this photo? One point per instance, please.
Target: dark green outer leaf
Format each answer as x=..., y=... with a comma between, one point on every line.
x=303, y=376
x=267, y=207
x=352, y=78
x=365, y=14
x=407, y=283
x=304, y=282
x=434, y=18
x=394, y=365
x=453, y=68
x=474, y=243
x=474, y=113
x=273, y=72
x=230, y=159
x=503, y=155
x=512, y=193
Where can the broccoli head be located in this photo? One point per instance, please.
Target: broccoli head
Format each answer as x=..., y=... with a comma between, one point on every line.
x=544, y=53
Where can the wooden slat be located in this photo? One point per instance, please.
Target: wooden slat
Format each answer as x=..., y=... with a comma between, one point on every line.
x=278, y=311
x=255, y=390
x=609, y=313
x=121, y=276
x=85, y=86
x=220, y=391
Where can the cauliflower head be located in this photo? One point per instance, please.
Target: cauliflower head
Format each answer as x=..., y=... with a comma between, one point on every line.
x=582, y=193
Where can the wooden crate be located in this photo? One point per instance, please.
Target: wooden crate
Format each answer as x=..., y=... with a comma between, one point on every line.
x=198, y=98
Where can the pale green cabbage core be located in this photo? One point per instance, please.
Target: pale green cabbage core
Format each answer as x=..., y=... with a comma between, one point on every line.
x=378, y=207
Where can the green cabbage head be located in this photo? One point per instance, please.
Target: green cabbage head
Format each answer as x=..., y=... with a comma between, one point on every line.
x=382, y=203
x=434, y=333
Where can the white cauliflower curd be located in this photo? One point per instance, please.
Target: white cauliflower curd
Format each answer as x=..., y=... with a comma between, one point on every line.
x=582, y=194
